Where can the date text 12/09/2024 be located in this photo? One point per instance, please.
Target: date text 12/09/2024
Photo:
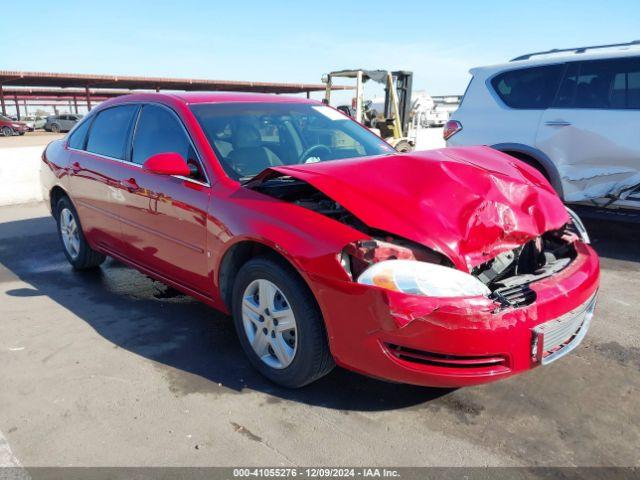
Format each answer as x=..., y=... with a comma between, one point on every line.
x=315, y=472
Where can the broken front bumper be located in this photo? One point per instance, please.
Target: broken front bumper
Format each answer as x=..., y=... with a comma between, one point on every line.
x=555, y=338
x=453, y=342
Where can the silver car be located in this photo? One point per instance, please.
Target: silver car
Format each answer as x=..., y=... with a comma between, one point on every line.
x=34, y=123
x=61, y=123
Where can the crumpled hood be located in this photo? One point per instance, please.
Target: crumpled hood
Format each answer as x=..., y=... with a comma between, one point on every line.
x=469, y=203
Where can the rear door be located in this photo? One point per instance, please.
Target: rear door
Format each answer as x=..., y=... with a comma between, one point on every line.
x=98, y=149
x=164, y=217
x=592, y=131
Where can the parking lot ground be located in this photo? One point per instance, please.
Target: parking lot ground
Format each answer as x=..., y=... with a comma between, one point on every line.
x=29, y=139
x=109, y=368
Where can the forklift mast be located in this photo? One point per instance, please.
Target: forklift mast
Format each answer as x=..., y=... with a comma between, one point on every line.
x=394, y=128
x=403, y=81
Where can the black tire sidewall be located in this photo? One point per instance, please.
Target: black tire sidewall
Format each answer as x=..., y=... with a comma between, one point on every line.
x=309, y=323
x=403, y=144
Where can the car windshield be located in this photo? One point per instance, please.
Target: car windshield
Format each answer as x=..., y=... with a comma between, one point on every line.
x=249, y=137
x=5, y=119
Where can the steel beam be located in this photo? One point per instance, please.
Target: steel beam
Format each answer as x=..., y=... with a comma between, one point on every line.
x=4, y=108
x=17, y=107
x=88, y=94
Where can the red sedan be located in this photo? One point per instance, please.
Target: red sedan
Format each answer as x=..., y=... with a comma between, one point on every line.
x=10, y=127
x=444, y=268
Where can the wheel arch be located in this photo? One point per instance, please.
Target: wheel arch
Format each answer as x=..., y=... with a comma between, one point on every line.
x=536, y=159
x=236, y=255
x=55, y=194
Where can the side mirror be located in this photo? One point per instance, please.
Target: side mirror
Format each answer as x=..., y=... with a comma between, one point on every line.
x=169, y=163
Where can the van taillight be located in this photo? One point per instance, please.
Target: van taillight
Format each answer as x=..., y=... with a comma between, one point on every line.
x=451, y=128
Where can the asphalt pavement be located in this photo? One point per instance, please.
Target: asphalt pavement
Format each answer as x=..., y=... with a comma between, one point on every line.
x=110, y=368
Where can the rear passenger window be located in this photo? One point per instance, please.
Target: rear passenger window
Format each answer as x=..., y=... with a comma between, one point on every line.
x=528, y=88
x=633, y=87
x=594, y=86
x=601, y=84
x=567, y=89
x=77, y=138
x=110, y=130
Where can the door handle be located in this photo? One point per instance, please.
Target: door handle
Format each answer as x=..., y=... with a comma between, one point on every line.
x=75, y=166
x=131, y=185
x=557, y=123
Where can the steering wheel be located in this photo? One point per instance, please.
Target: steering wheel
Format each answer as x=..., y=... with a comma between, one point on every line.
x=318, y=147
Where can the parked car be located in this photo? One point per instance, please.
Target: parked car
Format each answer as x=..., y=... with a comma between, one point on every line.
x=61, y=123
x=572, y=114
x=447, y=268
x=34, y=122
x=9, y=127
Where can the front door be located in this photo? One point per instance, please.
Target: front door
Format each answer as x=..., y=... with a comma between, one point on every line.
x=164, y=217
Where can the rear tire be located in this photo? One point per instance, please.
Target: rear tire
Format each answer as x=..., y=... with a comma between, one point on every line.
x=55, y=128
x=74, y=244
x=403, y=146
x=307, y=356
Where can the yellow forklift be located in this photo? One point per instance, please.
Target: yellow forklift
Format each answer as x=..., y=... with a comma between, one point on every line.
x=395, y=123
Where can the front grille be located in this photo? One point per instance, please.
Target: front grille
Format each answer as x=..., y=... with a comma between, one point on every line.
x=516, y=296
x=556, y=338
x=452, y=361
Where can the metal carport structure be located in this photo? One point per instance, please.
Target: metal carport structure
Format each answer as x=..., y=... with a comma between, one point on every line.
x=87, y=88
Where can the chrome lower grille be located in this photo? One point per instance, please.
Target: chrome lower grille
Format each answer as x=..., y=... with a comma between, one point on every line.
x=556, y=338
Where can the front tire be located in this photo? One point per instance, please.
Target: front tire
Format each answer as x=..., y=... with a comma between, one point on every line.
x=78, y=252
x=6, y=131
x=279, y=324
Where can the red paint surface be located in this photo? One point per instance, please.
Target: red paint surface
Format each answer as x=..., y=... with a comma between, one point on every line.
x=169, y=163
x=20, y=128
x=468, y=203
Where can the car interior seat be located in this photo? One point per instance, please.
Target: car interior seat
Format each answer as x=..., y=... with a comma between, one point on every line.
x=249, y=157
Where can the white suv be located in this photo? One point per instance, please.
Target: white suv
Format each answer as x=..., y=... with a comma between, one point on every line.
x=573, y=114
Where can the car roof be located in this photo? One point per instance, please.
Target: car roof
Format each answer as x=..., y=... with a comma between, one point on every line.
x=209, y=97
x=559, y=57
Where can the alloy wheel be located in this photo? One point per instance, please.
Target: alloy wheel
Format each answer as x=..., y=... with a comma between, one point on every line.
x=69, y=233
x=269, y=323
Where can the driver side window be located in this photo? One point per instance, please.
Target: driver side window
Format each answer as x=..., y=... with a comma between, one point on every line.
x=159, y=131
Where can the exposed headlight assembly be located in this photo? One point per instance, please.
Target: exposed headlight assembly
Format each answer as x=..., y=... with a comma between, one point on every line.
x=422, y=278
x=578, y=225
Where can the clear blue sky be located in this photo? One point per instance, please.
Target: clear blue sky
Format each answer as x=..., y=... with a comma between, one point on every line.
x=299, y=41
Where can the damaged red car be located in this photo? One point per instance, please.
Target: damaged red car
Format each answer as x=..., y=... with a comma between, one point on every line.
x=443, y=268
